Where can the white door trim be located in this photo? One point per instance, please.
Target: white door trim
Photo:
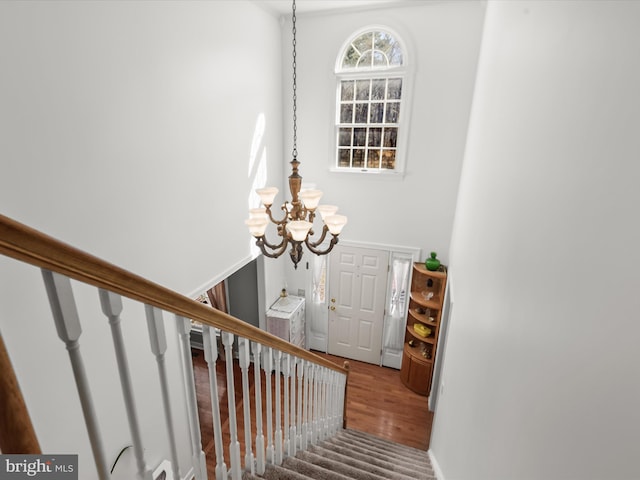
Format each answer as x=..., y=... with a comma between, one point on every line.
x=415, y=252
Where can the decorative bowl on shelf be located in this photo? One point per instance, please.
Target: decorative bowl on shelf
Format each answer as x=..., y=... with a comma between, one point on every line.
x=427, y=294
x=421, y=329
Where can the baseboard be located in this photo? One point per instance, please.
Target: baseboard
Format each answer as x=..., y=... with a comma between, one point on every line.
x=436, y=467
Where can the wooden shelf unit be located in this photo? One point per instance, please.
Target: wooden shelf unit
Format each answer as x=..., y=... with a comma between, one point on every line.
x=425, y=306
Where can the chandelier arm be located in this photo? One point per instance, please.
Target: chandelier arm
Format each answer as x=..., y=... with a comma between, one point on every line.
x=304, y=212
x=277, y=250
x=312, y=249
x=310, y=244
x=282, y=244
x=273, y=220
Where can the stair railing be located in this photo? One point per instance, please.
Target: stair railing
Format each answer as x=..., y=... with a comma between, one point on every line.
x=313, y=407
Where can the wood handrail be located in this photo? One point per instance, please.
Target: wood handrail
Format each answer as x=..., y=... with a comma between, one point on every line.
x=28, y=245
x=17, y=434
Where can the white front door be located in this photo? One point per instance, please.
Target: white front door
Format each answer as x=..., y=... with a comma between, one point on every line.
x=357, y=288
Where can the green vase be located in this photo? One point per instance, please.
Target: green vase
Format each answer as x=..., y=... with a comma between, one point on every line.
x=432, y=263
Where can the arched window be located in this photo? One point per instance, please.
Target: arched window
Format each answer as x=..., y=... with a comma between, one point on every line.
x=371, y=103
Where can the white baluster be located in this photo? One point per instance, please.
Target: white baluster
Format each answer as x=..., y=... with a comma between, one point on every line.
x=305, y=408
x=234, y=444
x=320, y=404
x=310, y=377
x=256, y=348
x=338, y=402
x=210, y=346
x=329, y=402
x=67, y=322
x=287, y=374
x=198, y=459
x=268, y=365
x=343, y=387
x=158, y=340
x=246, y=403
x=112, y=308
x=278, y=438
x=292, y=427
x=316, y=404
x=300, y=390
x=334, y=401
x=323, y=408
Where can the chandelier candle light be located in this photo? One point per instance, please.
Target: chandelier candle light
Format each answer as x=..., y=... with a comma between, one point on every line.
x=296, y=227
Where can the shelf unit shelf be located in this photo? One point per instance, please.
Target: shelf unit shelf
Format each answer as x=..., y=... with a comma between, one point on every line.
x=428, y=339
x=417, y=370
x=418, y=298
x=416, y=355
x=423, y=318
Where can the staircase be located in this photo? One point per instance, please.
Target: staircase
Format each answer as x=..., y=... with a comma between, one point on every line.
x=352, y=454
x=297, y=430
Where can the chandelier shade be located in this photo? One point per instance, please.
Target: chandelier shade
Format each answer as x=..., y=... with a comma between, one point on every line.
x=335, y=223
x=267, y=195
x=296, y=226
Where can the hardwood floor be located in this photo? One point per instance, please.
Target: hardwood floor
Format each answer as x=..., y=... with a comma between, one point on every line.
x=377, y=403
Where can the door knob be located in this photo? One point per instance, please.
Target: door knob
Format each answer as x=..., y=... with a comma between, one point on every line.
x=332, y=308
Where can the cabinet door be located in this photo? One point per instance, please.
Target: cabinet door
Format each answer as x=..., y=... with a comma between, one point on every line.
x=419, y=377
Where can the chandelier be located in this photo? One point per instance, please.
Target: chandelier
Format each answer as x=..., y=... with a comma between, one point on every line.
x=296, y=226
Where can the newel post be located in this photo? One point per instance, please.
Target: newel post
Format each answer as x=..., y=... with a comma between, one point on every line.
x=346, y=384
x=16, y=434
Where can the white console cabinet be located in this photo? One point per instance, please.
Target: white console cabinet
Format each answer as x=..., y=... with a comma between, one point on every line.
x=286, y=319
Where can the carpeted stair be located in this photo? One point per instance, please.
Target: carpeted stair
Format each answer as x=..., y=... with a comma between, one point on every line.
x=353, y=455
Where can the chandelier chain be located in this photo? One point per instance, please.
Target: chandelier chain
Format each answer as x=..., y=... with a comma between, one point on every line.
x=296, y=226
x=294, y=152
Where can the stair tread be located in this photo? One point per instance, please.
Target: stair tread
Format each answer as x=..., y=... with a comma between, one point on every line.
x=347, y=470
x=249, y=476
x=393, y=457
x=275, y=472
x=348, y=454
x=389, y=471
x=311, y=470
x=373, y=438
x=384, y=446
x=355, y=455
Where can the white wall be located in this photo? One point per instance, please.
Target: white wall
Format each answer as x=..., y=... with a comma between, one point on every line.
x=133, y=130
x=416, y=210
x=541, y=378
x=140, y=116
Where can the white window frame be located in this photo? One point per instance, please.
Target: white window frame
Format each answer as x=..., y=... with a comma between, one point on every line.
x=405, y=72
